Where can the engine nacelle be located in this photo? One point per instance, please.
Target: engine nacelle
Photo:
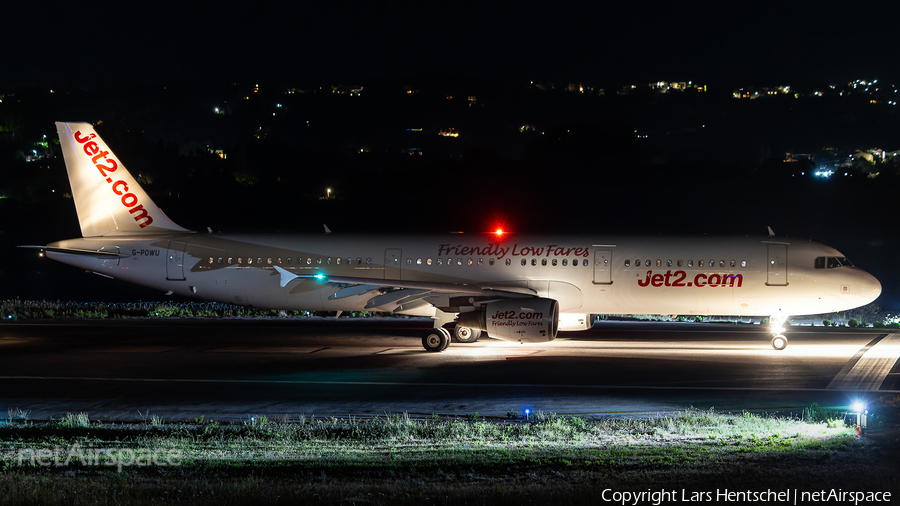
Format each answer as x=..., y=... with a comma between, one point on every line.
x=523, y=320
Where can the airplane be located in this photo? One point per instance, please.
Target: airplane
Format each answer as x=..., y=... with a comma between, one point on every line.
x=521, y=288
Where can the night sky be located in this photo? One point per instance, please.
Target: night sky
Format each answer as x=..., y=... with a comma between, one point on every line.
x=86, y=44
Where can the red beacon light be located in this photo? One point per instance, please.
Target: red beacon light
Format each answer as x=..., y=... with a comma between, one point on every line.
x=499, y=232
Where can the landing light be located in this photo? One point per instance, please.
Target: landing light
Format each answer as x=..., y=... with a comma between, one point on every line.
x=858, y=407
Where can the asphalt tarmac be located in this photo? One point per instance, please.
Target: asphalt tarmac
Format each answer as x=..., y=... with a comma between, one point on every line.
x=233, y=369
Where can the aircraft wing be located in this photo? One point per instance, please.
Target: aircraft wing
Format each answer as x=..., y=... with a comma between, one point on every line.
x=403, y=294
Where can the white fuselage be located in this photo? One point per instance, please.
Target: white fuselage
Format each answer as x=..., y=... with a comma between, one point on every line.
x=586, y=274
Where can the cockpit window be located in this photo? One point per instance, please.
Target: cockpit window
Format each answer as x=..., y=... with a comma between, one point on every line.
x=832, y=262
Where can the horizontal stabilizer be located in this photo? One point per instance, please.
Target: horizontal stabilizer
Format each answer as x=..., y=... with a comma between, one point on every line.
x=75, y=251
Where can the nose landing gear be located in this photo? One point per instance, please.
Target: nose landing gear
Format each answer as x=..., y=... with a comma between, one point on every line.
x=776, y=327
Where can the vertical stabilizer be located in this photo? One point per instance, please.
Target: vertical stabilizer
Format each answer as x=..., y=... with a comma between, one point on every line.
x=109, y=201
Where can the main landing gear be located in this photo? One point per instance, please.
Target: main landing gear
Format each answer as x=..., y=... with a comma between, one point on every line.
x=776, y=327
x=466, y=334
x=436, y=339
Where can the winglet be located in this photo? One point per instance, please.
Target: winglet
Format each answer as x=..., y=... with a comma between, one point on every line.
x=771, y=233
x=286, y=276
x=327, y=230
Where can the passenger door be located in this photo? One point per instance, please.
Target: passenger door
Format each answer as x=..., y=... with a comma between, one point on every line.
x=602, y=267
x=776, y=267
x=175, y=261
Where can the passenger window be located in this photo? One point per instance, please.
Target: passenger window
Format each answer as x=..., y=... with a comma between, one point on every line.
x=279, y=260
x=469, y=261
x=220, y=259
x=732, y=263
x=269, y=260
x=259, y=260
x=418, y=261
x=440, y=262
x=288, y=260
x=328, y=260
x=319, y=261
x=553, y=262
x=210, y=259
x=428, y=261
x=508, y=262
x=585, y=262
x=533, y=262
x=491, y=261
x=680, y=263
x=668, y=263
x=712, y=263
x=574, y=263
x=721, y=263
x=369, y=261
x=690, y=263
x=459, y=261
x=338, y=260
x=408, y=261
x=229, y=260
x=565, y=262
x=480, y=261
x=308, y=260
x=349, y=261
x=523, y=262
x=700, y=263
x=646, y=263
x=659, y=263
x=544, y=261
x=239, y=260
x=743, y=263
x=358, y=261
x=627, y=263
x=249, y=260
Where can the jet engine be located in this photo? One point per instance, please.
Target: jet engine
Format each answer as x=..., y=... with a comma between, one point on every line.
x=523, y=320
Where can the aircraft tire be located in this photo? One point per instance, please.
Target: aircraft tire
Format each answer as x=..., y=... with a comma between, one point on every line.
x=447, y=336
x=779, y=342
x=466, y=334
x=436, y=340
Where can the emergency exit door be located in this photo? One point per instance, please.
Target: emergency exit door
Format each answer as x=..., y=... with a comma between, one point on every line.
x=392, y=264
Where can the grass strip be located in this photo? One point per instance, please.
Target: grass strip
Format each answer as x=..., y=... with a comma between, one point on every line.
x=400, y=460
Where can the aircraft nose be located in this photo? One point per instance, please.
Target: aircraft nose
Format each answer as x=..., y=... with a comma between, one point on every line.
x=871, y=286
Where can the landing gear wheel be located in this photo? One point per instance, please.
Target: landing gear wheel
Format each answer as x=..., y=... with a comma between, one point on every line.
x=779, y=342
x=466, y=334
x=436, y=340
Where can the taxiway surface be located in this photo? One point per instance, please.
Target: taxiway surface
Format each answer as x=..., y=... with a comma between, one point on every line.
x=235, y=368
